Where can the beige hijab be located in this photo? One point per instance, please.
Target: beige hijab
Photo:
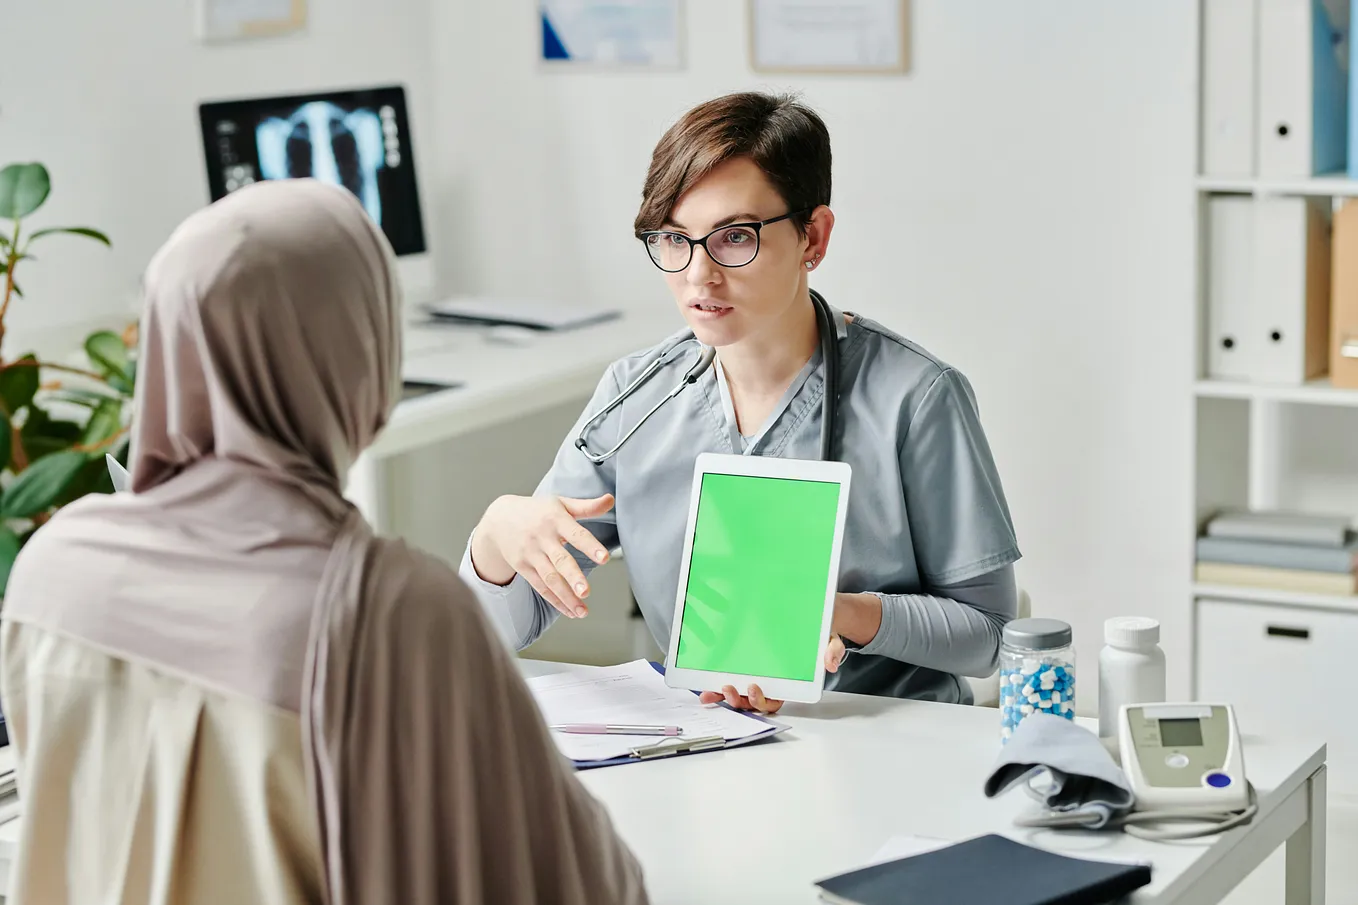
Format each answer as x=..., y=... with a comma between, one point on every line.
x=271, y=350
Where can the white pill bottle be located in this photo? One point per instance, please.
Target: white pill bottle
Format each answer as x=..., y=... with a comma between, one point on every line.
x=1131, y=668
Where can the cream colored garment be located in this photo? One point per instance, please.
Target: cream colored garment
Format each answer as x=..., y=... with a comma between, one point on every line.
x=270, y=359
x=141, y=787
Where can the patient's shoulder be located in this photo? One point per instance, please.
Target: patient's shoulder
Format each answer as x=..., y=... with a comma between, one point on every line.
x=418, y=584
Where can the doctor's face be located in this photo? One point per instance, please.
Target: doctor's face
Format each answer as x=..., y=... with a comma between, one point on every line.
x=726, y=304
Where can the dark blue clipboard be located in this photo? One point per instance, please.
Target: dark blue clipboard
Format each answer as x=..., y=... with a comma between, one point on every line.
x=773, y=730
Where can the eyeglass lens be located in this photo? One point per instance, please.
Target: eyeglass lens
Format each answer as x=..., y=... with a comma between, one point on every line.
x=732, y=246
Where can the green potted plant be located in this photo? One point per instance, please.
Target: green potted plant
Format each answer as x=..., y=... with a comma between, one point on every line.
x=57, y=421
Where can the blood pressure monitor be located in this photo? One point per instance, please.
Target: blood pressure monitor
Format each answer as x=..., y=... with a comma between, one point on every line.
x=1183, y=756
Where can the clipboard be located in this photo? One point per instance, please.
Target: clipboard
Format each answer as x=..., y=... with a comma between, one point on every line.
x=678, y=747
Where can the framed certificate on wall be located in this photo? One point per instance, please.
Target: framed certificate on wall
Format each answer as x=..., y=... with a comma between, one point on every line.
x=227, y=20
x=830, y=36
x=644, y=34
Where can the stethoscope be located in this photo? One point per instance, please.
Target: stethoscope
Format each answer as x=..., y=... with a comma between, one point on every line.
x=829, y=351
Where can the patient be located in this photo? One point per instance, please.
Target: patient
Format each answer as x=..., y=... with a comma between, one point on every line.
x=221, y=686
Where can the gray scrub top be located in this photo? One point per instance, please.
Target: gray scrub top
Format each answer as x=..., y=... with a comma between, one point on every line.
x=926, y=510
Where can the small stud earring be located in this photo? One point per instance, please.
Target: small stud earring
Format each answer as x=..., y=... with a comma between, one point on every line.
x=810, y=264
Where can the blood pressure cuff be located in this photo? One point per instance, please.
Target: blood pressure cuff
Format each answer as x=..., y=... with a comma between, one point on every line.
x=1066, y=768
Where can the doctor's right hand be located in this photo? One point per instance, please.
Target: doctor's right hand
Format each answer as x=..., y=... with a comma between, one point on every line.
x=528, y=536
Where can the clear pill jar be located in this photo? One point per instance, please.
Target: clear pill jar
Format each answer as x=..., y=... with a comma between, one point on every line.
x=1037, y=672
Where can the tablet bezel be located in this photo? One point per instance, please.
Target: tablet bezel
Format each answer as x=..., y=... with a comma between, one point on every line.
x=801, y=690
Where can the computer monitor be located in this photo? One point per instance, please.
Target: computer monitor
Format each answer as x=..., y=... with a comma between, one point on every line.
x=359, y=139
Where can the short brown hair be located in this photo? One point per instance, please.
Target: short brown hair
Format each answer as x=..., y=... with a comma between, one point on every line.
x=786, y=139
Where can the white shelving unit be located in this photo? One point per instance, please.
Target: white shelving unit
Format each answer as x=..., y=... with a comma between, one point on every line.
x=1248, y=450
x=1277, y=598
x=1315, y=392
x=1334, y=185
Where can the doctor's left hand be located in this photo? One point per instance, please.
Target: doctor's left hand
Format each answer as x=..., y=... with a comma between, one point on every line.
x=755, y=700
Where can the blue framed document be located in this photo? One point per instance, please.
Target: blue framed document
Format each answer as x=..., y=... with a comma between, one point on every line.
x=613, y=33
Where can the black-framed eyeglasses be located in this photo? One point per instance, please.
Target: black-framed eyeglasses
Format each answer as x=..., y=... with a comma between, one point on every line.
x=733, y=245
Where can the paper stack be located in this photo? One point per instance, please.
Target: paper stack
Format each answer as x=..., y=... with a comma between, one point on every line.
x=1285, y=551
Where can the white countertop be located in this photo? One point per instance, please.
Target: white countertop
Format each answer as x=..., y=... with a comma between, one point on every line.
x=502, y=380
x=762, y=823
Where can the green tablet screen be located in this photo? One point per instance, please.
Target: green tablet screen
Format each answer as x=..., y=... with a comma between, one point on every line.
x=757, y=576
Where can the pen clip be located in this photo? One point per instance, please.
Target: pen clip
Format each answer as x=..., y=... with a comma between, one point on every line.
x=670, y=746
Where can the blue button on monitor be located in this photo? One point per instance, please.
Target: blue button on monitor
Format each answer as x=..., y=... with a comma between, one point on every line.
x=1218, y=780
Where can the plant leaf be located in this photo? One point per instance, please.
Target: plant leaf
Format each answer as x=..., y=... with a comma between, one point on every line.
x=18, y=383
x=17, y=291
x=43, y=435
x=9, y=551
x=6, y=441
x=23, y=189
x=88, y=398
x=93, y=477
x=105, y=348
x=103, y=423
x=71, y=231
x=39, y=485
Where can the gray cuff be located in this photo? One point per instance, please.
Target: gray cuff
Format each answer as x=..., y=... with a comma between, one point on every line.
x=467, y=571
x=884, y=640
x=501, y=603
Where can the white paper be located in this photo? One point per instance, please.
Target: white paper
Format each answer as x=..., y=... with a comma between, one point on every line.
x=242, y=18
x=632, y=693
x=829, y=34
x=121, y=479
x=617, y=32
x=898, y=847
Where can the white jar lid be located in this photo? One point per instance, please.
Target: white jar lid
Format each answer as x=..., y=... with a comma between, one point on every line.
x=1131, y=631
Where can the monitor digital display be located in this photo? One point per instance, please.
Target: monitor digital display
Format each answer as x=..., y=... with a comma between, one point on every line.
x=1181, y=733
x=357, y=139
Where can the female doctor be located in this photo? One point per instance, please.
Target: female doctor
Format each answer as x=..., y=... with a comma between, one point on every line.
x=735, y=213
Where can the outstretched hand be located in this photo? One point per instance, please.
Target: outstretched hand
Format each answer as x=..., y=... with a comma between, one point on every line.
x=754, y=698
x=530, y=535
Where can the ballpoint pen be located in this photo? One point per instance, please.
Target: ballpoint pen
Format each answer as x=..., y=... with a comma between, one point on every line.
x=616, y=729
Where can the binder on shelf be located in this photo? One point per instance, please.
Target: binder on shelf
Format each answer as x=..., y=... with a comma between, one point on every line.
x=1290, y=315
x=1303, y=123
x=1231, y=345
x=1229, y=82
x=1344, y=299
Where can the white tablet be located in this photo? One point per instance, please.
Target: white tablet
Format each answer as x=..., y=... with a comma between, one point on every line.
x=759, y=574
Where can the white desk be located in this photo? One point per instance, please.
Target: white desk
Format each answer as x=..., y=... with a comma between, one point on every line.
x=499, y=382
x=760, y=824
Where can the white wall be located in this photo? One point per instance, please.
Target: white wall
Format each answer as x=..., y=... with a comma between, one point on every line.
x=106, y=95
x=1021, y=204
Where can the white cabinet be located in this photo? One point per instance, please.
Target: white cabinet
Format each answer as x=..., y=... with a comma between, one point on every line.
x=1286, y=669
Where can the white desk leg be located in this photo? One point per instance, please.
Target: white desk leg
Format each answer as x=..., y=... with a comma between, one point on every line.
x=1306, y=849
x=366, y=489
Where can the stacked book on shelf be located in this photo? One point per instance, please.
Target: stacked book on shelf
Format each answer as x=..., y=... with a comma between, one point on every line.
x=1282, y=551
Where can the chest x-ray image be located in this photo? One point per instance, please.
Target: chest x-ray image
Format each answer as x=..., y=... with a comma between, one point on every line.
x=357, y=139
x=326, y=142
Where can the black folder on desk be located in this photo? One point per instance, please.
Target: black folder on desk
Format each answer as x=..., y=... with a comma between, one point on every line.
x=987, y=870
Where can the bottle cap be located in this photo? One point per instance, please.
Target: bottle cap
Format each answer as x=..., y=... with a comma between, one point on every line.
x=1037, y=634
x=1131, y=631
